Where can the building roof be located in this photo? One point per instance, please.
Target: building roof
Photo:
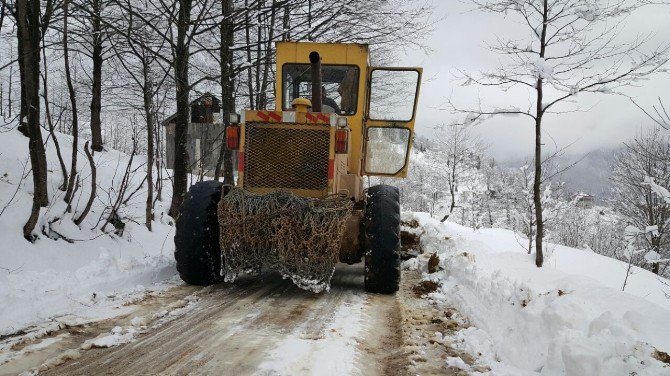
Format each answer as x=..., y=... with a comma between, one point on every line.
x=173, y=116
x=582, y=196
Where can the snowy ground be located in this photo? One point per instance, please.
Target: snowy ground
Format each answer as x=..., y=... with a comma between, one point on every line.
x=94, y=273
x=568, y=318
x=493, y=312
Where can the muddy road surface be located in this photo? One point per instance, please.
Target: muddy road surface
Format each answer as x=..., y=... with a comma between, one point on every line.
x=257, y=326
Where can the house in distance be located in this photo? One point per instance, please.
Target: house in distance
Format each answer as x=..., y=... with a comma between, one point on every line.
x=583, y=200
x=206, y=133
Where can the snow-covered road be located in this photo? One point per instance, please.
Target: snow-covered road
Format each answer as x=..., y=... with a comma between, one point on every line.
x=263, y=325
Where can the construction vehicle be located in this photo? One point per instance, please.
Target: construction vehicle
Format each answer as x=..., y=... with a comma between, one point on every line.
x=337, y=120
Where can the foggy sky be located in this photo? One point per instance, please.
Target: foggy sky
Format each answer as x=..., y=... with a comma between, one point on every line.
x=458, y=42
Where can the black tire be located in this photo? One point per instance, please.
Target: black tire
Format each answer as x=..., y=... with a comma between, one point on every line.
x=196, y=239
x=382, y=240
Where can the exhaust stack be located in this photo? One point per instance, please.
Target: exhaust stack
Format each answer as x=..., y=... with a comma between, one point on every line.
x=315, y=59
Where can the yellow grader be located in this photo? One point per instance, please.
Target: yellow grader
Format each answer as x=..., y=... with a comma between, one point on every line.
x=299, y=206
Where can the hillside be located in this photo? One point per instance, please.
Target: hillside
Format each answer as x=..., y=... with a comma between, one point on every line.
x=568, y=318
x=74, y=269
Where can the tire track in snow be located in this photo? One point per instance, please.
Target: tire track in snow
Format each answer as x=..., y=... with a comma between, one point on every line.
x=236, y=327
x=323, y=345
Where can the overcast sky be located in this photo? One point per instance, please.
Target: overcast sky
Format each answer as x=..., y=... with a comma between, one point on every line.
x=459, y=43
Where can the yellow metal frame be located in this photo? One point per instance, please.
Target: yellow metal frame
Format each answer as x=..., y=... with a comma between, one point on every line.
x=409, y=124
x=348, y=168
x=335, y=54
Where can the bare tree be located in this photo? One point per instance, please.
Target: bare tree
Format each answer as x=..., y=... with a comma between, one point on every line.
x=573, y=47
x=658, y=114
x=28, y=34
x=49, y=12
x=49, y=118
x=646, y=156
x=92, y=194
x=458, y=145
x=97, y=39
x=69, y=193
x=180, y=55
x=139, y=62
x=524, y=207
x=225, y=159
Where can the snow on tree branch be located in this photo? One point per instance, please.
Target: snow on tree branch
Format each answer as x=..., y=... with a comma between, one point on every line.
x=662, y=192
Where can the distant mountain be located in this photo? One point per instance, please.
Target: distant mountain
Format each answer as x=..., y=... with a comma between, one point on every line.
x=590, y=174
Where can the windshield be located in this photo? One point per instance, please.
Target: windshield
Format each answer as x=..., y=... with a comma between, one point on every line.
x=339, y=91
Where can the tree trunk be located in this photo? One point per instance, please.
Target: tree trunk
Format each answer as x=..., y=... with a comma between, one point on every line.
x=181, y=60
x=227, y=86
x=537, y=185
x=92, y=196
x=9, y=89
x=286, y=36
x=73, y=102
x=268, y=56
x=2, y=14
x=96, y=95
x=23, y=112
x=247, y=35
x=656, y=247
x=47, y=111
x=159, y=156
x=259, y=42
x=452, y=192
x=537, y=182
x=2, y=99
x=148, y=113
x=488, y=207
x=28, y=34
x=309, y=21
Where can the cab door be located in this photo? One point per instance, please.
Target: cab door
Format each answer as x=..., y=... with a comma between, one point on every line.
x=392, y=98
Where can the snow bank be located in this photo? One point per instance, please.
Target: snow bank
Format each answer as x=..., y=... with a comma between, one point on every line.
x=54, y=277
x=569, y=317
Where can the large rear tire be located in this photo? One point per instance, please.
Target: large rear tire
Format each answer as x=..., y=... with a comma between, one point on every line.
x=196, y=240
x=382, y=240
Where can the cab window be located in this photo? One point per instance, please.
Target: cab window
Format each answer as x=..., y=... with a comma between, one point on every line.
x=393, y=94
x=387, y=149
x=340, y=86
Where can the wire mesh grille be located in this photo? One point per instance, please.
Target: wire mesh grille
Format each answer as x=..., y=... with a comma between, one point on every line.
x=296, y=236
x=286, y=157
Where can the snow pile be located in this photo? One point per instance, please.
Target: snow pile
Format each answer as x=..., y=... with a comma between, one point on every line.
x=569, y=317
x=121, y=335
x=118, y=336
x=73, y=268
